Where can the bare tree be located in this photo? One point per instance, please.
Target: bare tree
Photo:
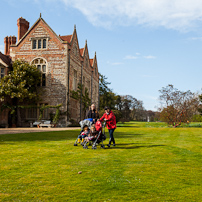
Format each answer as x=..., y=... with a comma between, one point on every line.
x=138, y=112
x=177, y=106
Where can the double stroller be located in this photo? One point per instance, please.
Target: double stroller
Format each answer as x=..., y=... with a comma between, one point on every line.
x=99, y=138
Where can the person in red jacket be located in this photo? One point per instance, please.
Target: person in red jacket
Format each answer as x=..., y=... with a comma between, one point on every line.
x=110, y=119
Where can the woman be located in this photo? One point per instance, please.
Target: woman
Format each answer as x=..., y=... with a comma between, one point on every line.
x=93, y=113
x=110, y=119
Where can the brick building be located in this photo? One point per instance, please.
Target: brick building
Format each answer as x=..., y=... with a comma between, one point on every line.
x=62, y=63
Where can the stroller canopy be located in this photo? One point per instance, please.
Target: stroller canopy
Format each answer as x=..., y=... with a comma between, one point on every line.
x=86, y=122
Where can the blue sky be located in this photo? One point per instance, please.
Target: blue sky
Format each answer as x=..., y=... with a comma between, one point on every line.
x=141, y=45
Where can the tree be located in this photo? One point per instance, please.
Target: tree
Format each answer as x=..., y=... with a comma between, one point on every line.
x=130, y=107
x=20, y=87
x=177, y=106
x=138, y=111
x=126, y=106
x=200, y=106
x=106, y=96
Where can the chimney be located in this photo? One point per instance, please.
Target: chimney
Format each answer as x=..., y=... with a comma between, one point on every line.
x=6, y=45
x=23, y=26
x=8, y=41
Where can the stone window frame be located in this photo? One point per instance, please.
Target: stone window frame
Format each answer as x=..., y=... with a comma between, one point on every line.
x=43, y=72
x=37, y=39
x=2, y=74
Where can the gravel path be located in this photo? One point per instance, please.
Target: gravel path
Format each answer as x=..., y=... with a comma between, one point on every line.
x=32, y=130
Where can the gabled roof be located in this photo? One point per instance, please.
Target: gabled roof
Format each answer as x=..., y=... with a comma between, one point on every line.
x=81, y=51
x=85, y=51
x=40, y=19
x=5, y=60
x=91, y=62
x=67, y=38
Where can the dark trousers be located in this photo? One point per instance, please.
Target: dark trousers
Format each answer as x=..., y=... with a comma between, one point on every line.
x=111, y=131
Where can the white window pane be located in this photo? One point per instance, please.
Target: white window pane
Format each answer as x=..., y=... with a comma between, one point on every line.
x=44, y=68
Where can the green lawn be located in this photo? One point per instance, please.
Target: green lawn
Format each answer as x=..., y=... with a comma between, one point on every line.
x=150, y=163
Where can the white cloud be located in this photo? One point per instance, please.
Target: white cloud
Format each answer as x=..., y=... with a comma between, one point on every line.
x=171, y=14
x=114, y=63
x=150, y=57
x=130, y=57
x=196, y=38
x=133, y=57
x=2, y=48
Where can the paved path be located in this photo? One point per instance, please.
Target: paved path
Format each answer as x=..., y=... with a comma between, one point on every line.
x=32, y=130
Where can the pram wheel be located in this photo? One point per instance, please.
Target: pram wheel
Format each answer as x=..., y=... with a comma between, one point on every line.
x=85, y=147
x=94, y=147
x=75, y=144
x=102, y=146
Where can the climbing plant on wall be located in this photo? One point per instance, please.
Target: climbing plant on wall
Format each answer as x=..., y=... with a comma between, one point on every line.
x=57, y=113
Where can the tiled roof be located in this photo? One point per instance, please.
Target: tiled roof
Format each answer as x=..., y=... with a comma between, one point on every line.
x=66, y=38
x=6, y=59
x=81, y=51
x=91, y=62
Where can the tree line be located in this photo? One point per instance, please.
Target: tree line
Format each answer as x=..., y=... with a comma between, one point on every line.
x=125, y=107
x=177, y=107
x=20, y=87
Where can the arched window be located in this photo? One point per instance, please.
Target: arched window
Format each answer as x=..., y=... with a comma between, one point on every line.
x=42, y=66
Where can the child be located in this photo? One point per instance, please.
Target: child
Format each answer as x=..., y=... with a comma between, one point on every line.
x=83, y=134
x=92, y=135
x=98, y=125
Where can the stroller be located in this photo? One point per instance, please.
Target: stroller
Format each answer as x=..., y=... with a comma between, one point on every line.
x=100, y=137
x=83, y=124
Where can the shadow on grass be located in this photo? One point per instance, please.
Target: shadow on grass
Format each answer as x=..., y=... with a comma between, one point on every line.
x=40, y=136
x=2, y=143
x=125, y=126
x=125, y=135
x=54, y=136
x=128, y=125
x=130, y=146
